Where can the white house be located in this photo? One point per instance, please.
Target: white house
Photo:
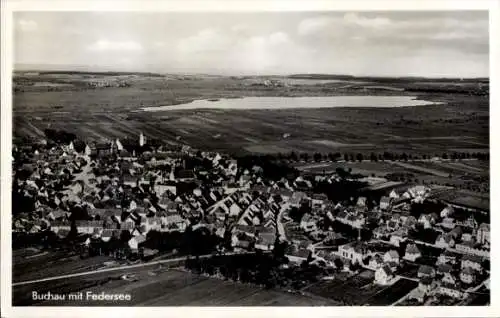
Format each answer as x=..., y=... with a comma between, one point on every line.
x=394, y=194
x=398, y=237
x=391, y=256
x=234, y=209
x=427, y=220
x=135, y=241
x=447, y=212
x=161, y=188
x=383, y=275
x=467, y=237
x=483, y=234
x=353, y=252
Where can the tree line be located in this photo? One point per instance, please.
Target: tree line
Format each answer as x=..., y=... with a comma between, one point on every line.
x=353, y=157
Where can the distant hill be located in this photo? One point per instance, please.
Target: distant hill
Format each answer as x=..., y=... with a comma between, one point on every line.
x=386, y=79
x=76, y=70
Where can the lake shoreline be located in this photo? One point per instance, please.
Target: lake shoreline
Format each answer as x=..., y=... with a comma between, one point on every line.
x=300, y=102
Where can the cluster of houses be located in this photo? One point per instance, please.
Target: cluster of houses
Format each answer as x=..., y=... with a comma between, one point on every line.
x=106, y=190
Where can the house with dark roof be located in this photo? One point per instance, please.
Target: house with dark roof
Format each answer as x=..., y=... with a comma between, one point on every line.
x=445, y=241
x=426, y=271
x=412, y=252
x=376, y=261
x=472, y=261
x=468, y=275
x=456, y=233
x=444, y=269
x=410, y=222
x=63, y=233
x=106, y=235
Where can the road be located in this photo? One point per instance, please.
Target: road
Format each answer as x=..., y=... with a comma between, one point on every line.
x=119, y=268
x=279, y=222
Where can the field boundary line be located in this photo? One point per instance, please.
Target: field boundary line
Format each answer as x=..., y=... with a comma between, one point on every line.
x=113, y=269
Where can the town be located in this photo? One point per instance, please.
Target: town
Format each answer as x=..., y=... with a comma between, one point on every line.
x=326, y=234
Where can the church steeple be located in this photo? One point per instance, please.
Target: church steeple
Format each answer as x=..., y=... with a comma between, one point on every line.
x=142, y=140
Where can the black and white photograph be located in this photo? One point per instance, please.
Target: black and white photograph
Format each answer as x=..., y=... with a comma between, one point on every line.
x=256, y=158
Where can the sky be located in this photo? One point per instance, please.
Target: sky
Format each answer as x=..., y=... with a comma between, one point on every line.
x=404, y=43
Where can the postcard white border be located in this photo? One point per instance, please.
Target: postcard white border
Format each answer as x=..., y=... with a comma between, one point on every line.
x=10, y=6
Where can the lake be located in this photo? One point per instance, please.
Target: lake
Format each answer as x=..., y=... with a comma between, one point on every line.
x=296, y=102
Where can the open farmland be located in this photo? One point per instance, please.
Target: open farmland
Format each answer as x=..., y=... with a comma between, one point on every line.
x=162, y=287
x=469, y=177
x=360, y=290
x=466, y=199
x=462, y=122
x=52, y=264
x=393, y=293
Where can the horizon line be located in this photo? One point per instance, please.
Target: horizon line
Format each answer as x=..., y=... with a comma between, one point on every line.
x=95, y=69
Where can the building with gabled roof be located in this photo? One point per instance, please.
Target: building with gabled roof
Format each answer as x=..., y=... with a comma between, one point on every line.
x=412, y=253
x=383, y=275
x=135, y=242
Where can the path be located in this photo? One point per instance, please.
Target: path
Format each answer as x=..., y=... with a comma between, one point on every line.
x=279, y=222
